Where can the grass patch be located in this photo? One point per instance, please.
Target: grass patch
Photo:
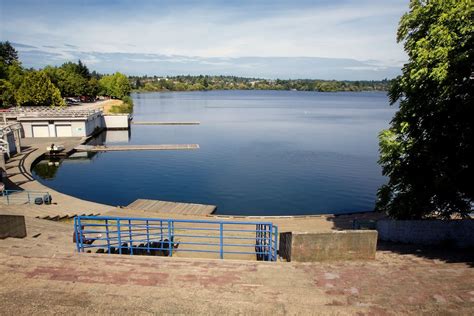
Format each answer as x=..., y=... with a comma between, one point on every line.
x=119, y=106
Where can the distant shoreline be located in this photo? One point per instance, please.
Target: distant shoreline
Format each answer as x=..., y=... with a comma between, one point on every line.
x=165, y=91
x=209, y=83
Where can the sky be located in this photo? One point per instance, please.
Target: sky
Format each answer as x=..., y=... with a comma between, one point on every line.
x=319, y=39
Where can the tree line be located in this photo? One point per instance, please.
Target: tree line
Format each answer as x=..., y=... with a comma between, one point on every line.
x=49, y=86
x=199, y=83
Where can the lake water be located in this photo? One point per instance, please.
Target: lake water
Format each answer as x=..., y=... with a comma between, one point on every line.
x=261, y=153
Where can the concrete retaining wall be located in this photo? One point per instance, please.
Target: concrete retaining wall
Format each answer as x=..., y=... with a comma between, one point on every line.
x=12, y=226
x=117, y=121
x=337, y=245
x=458, y=233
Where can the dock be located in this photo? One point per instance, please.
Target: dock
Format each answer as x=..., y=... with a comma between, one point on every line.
x=165, y=123
x=136, y=147
x=172, y=207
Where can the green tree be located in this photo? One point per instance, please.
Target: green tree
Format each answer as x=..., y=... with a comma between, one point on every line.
x=38, y=90
x=8, y=53
x=82, y=70
x=93, y=87
x=15, y=74
x=116, y=85
x=427, y=152
x=7, y=93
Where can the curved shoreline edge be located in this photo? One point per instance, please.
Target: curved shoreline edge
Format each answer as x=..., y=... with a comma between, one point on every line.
x=26, y=164
x=23, y=178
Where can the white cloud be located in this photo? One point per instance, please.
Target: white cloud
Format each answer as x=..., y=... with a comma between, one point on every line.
x=359, y=30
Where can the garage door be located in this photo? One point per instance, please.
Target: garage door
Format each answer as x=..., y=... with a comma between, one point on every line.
x=63, y=131
x=40, y=131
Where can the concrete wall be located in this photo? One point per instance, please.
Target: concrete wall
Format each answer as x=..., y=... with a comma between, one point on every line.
x=118, y=121
x=458, y=233
x=12, y=226
x=79, y=129
x=26, y=128
x=330, y=246
x=95, y=122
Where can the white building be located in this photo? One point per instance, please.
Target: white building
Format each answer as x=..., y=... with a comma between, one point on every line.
x=63, y=122
x=56, y=122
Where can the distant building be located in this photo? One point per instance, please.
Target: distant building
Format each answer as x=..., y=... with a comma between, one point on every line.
x=56, y=122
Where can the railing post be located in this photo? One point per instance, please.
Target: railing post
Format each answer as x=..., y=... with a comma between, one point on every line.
x=8, y=199
x=269, y=249
x=221, y=239
x=29, y=200
x=170, y=253
x=130, y=236
x=148, y=236
x=161, y=230
x=107, y=234
x=81, y=234
x=119, y=235
x=275, y=255
x=76, y=228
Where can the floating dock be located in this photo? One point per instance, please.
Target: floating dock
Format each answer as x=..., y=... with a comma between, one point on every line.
x=165, y=123
x=172, y=207
x=137, y=147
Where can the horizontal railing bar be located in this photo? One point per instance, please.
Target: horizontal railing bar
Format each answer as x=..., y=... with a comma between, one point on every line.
x=170, y=220
x=197, y=243
x=120, y=232
x=180, y=250
x=126, y=238
x=240, y=245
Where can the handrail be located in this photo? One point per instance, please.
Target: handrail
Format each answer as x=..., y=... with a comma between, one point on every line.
x=12, y=196
x=164, y=236
x=31, y=191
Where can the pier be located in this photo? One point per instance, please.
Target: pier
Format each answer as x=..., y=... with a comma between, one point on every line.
x=137, y=147
x=165, y=123
x=172, y=207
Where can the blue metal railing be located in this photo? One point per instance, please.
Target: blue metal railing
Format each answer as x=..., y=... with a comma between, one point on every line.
x=23, y=196
x=157, y=236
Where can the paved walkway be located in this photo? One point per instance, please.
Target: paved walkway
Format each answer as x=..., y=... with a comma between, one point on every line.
x=19, y=167
x=42, y=275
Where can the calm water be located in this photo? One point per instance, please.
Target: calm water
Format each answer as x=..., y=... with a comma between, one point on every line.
x=262, y=152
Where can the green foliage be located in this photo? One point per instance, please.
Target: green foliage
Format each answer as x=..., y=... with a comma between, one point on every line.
x=8, y=54
x=38, y=90
x=11, y=74
x=126, y=107
x=92, y=88
x=116, y=85
x=7, y=93
x=427, y=153
x=15, y=74
x=73, y=79
x=194, y=83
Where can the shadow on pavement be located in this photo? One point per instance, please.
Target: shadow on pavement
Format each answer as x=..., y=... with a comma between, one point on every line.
x=443, y=252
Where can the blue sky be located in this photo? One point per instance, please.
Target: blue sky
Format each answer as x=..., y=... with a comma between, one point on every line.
x=347, y=39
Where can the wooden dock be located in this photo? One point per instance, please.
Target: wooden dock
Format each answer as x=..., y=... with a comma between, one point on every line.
x=172, y=207
x=137, y=147
x=165, y=123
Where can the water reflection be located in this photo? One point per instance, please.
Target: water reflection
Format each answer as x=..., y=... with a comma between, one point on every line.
x=111, y=137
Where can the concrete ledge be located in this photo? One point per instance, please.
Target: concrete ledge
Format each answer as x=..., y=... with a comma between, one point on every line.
x=457, y=233
x=331, y=246
x=117, y=121
x=12, y=226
